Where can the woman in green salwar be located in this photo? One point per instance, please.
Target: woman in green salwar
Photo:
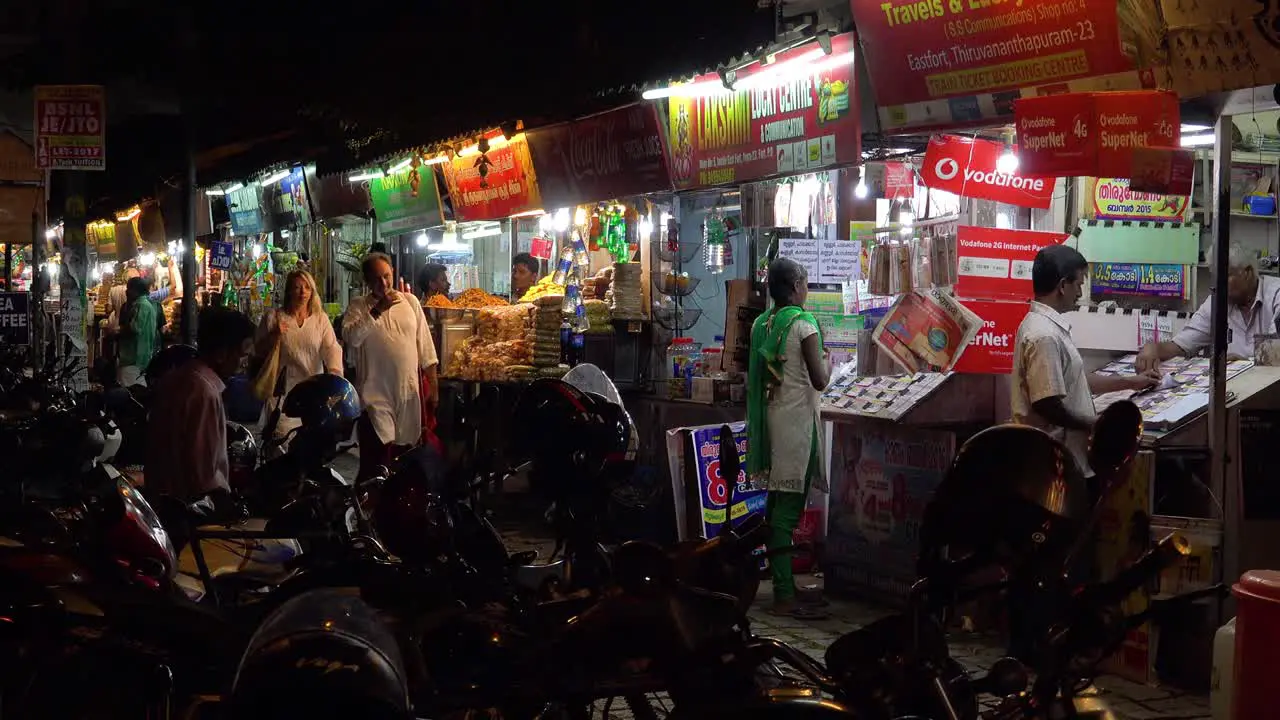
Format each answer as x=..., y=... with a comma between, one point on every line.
x=787, y=373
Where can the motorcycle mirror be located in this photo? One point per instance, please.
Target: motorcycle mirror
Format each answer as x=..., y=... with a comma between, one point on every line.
x=1115, y=438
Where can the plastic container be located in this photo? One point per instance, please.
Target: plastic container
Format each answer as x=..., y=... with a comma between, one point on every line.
x=1224, y=659
x=1257, y=653
x=1260, y=204
x=680, y=359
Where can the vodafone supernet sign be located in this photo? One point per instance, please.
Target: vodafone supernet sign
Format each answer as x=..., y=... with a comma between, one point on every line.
x=967, y=167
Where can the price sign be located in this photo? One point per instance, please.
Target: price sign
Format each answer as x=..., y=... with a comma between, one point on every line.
x=540, y=248
x=223, y=255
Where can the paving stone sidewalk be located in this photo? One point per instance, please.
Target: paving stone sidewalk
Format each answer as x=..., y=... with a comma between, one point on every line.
x=1131, y=701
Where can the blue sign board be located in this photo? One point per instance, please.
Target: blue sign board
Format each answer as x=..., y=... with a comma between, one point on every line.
x=223, y=255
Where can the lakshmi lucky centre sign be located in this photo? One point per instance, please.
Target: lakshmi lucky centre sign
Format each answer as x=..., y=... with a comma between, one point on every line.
x=798, y=114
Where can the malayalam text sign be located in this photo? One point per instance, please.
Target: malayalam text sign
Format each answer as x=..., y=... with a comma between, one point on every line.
x=15, y=318
x=782, y=123
x=922, y=50
x=996, y=263
x=71, y=127
x=495, y=185
x=1114, y=199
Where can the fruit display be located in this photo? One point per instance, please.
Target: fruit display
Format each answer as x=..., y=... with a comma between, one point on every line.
x=505, y=323
x=545, y=286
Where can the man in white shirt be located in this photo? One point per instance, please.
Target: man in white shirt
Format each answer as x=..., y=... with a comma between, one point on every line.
x=1255, y=302
x=395, y=361
x=1051, y=389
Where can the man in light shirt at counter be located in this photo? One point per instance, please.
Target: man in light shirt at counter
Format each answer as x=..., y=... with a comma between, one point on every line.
x=1255, y=302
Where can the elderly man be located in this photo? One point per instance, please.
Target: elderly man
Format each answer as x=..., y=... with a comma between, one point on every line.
x=396, y=363
x=1255, y=302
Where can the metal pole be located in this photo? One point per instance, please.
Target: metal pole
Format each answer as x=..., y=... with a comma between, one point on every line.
x=1218, y=452
x=190, y=206
x=73, y=276
x=37, y=284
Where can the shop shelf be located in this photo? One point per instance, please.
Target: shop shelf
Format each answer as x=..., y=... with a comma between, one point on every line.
x=677, y=319
x=687, y=251
x=673, y=285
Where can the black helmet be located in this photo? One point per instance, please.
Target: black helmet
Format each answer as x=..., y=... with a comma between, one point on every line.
x=167, y=359
x=578, y=441
x=326, y=404
x=1013, y=494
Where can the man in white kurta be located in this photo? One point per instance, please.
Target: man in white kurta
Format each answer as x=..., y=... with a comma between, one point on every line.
x=395, y=361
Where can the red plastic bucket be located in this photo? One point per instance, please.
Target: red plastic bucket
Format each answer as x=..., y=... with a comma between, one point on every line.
x=1257, y=644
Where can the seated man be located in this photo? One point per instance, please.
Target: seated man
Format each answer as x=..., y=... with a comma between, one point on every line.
x=1255, y=301
x=187, y=427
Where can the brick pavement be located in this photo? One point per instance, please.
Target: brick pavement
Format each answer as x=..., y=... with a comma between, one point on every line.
x=976, y=651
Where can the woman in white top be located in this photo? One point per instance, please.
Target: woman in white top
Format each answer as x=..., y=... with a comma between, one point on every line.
x=308, y=345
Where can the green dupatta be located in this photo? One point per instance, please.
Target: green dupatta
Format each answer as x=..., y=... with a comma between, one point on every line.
x=764, y=369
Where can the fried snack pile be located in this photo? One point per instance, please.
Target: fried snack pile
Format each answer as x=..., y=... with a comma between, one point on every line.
x=481, y=359
x=439, y=300
x=545, y=286
x=477, y=298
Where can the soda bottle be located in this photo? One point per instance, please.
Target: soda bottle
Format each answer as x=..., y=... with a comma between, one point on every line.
x=566, y=340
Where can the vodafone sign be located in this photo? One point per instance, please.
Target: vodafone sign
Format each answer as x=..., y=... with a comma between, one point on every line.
x=991, y=350
x=967, y=167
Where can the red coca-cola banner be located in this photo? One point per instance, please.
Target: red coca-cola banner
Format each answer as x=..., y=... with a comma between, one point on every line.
x=1093, y=134
x=991, y=350
x=507, y=186
x=996, y=264
x=967, y=166
x=605, y=156
x=798, y=115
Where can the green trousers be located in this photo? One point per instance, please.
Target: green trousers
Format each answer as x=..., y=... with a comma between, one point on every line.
x=782, y=511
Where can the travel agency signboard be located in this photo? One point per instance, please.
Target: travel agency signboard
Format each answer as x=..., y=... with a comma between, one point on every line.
x=799, y=114
x=949, y=63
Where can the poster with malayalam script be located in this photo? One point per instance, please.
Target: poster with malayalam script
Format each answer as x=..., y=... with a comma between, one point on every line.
x=495, y=185
x=1138, y=279
x=713, y=488
x=781, y=123
x=882, y=477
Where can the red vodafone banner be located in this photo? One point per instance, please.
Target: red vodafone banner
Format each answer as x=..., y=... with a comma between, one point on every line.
x=991, y=350
x=996, y=264
x=967, y=166
x=922, y=50
x=1093, y=134
x=899, y=181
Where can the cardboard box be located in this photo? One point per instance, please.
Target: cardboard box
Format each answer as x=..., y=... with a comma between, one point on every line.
x=744, y=302
x=704, y=390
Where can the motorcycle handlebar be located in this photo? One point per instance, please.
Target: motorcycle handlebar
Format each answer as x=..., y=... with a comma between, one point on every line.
x=1165, y=553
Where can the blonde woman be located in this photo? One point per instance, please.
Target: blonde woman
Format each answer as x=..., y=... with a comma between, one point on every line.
x=308, y=345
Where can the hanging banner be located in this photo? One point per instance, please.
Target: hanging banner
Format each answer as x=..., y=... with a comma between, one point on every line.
x=899, y=181
x=932, y=49
x=1113, y=199
x=245, y=208
x=333, y=196
x=991, y=350
x=785, y=122
x=406, y=201
x=101, y=236
x=967, y=167
x=1138, y=279
x=1093, y=134
x=71, y=127
x=882, y=478
x=610, y=155
x=286, y=200
x=996, y=263
x=509, y=185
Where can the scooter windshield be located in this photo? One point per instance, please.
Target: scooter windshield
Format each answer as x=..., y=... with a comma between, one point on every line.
x=589, y=378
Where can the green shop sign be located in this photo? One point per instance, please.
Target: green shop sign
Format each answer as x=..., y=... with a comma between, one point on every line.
x=399, y=208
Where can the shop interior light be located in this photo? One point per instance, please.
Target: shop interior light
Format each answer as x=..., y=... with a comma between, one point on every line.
x=421, y=240
x=495, y=142
x=147, y=259
x=449, y=243
x=176, y=247
x=273, y=178
x=1197, y=140
x=126, y=217
x=441, y=158
x=547, y=223
x=367, y=175
x=690, y=90
x=860, y=190
x=51, y=233
x=483, y=232
x=399, y=166
x=906, y=217
x=813, y=61
x=215, y=192
x=1189, y=128
x=1007, y=163
x=646, y=228
x=257, y=251
x=562, y=218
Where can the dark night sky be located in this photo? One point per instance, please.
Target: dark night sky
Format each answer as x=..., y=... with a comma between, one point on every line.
x=420, y=70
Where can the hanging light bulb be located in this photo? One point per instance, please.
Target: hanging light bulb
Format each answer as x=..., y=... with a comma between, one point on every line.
x=906, y=217
x=1007, y=163
x=562, y=219
x=421, y=240
x=860, y=190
